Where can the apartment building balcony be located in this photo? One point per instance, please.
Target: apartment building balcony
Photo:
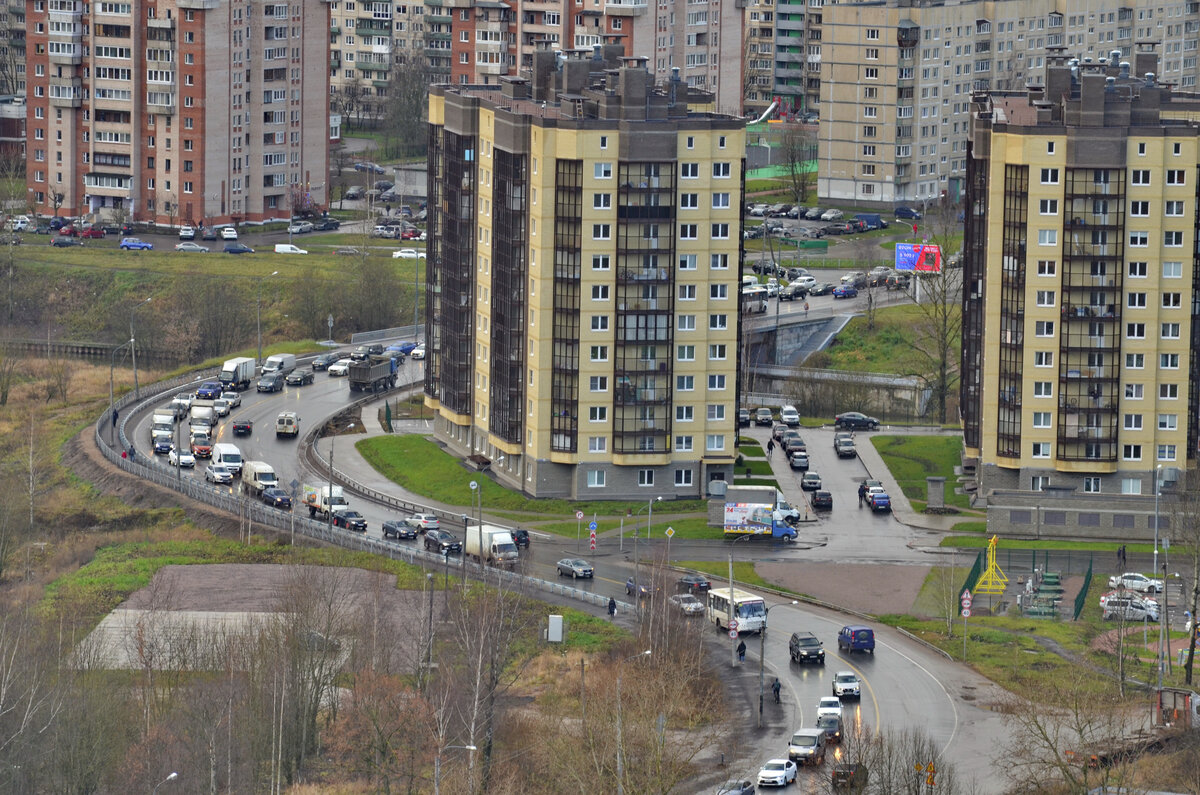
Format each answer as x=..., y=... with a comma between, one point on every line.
x=783, y=71
x=491, y=68
x=161, y=102
x=334, y=27
x=813, y=60
x=624, y=8
x=783, y=23
x=789, y=56
x=107, y=184
x=67, y=54
x=369, y=66
x=372, y=28
x=381, y=49
x=199, y=5
x=66, y=92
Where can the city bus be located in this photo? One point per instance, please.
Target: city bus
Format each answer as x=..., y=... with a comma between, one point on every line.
x=749, y=610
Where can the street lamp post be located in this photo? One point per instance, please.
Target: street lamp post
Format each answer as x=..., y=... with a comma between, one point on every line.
x=437, y=765
x=171, y=777
x=112, y=364
x=329, y=495
x=1157, y=475
x=620, y=756
x=258, y=316
x=762, y=642
x=729, y=602
x=133, y=347
x=477, y=499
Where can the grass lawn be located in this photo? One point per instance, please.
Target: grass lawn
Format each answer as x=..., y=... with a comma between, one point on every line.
x=751, y=450
x=739, y=481
x=743, y=573
x=413, y=408
x=422, y=467
x=886, y=349
x=911, y=459
x=756, y=468
x=970, y=527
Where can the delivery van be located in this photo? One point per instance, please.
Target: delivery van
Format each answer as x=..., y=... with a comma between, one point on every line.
x=230, y=456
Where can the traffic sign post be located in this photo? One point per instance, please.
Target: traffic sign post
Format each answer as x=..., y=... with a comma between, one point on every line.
x=965, y=601
x=733, y=633
x=733, y=625
x=593, y=540
x=578, y=528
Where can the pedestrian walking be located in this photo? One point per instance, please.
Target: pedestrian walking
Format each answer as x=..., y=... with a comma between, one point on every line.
x=114, y=418
x=612, y=608
x=775, y=688
x=862, y=494
x=770, y=447
x=806, y=308
x=741, y=650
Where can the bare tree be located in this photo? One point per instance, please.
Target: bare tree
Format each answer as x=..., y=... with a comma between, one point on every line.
x=1183, y=506
x=407, y=106
x=798, y=151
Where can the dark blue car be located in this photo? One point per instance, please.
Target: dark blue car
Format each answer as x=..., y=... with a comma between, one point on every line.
x=845, y=291
x=907, y=213
x=209, y=390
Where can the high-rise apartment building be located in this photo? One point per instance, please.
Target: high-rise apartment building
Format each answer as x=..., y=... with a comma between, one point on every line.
x=710, y=44
x=582, y=299
x=1080, y=370
x=178, y=111
x=896, y=78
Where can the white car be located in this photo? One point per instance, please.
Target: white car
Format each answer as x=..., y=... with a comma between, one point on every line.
x=423, y=521
x=846, y=685
x=687, y=604
x=228, y=233
x=221, y=407
x=182, y=459
x=831, y=215
x=187, y=233
x=339, y=368
x=300, y=228
x=233, y=399
x=418, y=352
x=829, y=705
x=408, y=253
x=218, y=473
x=807, y=282
x=777, y=773
x=1133, y=581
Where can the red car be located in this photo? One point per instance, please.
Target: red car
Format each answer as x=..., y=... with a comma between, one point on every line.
x=410, y=234
x=92, y=232
x=68, y=231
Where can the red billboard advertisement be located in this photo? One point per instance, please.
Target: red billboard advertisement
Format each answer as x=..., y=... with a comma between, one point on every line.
x=918, y=257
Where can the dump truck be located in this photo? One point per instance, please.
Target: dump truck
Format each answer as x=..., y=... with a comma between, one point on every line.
x=373, y=374
x=237, y=373
x=322, y=500
x=492, y=545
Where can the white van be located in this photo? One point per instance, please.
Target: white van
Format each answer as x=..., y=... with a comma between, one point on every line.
x=258, y=476
x=789, y=416
x=279, y=363
x=230, y=456
x=287, y=424
x=288, y=248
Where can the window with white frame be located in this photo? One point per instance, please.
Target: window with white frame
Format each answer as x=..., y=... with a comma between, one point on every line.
x=1131, y=452
x=1049, y=176
x=1131, y=485
x=601, y=201
x=597, y=444
x=1041, y=449
x=1137, y=270
x=717, y=353
x=1168, y=391
x=1135, y=300
x=1044, y=328
x=689, y=201
x=716, y=382
x=1168, y=361
x=598, y=383
x=1135, y=331
x=1170, y=331
x=1048, y=207
x=687, y=323
x=600, y=262
x=1134, y=391
x=685, y=353
x=687, y=292
x=683, y=444
x=1173, y=208
x=1172, y=270
x=600, y=323
x=602, y=170
x=718, y=322
x=1139, y=176
x=716, y=412
x=1168, y=422
x=714, y=442
x=1166, y=452
x=599, y=353
x=1047, y=267
x=1041, y=419
x=687, y=262
x=645, y=477
x=720, y=231
x=1139, y=239
x=1133, y=422
x=685, y=383
x=1043, y=389
x=595, y=478
x=601, y=231
x=718, y=262
x=597, y=413
x=688, y=232
x=1043, y=358
x=1091, y=485
x=1045, y=298
x=720, y=170
x=1139, y=208
x=685, y=413
x=689, y=170
x=1047, y=237
x=720, y=201
x=683, y=477
x=1176, y=176
x=718, y=292
x=1135, y=361
x=599, y=292
x=1172, y=238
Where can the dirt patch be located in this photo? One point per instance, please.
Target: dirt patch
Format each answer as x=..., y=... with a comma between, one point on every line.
x=867, y=588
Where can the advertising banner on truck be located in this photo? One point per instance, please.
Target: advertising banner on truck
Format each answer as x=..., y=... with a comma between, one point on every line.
x=918, y=257
x=748, y=518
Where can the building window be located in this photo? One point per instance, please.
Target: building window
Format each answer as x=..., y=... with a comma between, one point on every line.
x=687, y=292
x=597, y=444
x=1041, y=449
x=1133, y=422
x=716, y=382
x=1045, y=298
x=1166, y=452
x=689, y=170
x=599, y=292
x=1135, y=331
x=1041, y=419
x=1046, y=267
x=598, y=414
x=686, y=353
x=645, y=477
x=595, y=478
x=1133, y=391
x=1131, y=452
x=720, y=201
x=720, y=170
x=1135, y=300
x=1137, y=270
x=1170, y=331
x=1168, y=422
x=719, y=262
x=1173, y=208
x=689, y=201
x=601, y=201
x=688, y=232
x=685, y=383
x=600, y=262
x=687, y=262
x=716, y=412
x=683, y=477
x=600, y=323
x=600, y=231
x=1172, y=270
x=603, y=141
x=684, y=413
x=683, y=444
x=1139, y=208
x=1039, y=482
x=720, y=231
x=1047, y=237
x=1043, y=389
x=1048, y=207
x=1091, y=485
x=599, y=353
x=1043, y=358
x=714, y=442
x=598, y=383
x=602, y=170
x=1049, y=176
x=1168, y=361
x=1176, y=176
x=687, y=322
x=1168, y=391
x=718, y=292
x=1172, y=239
x=1044, y=328
x=1131, y=485
x=1135, y=361
x=717, y=353
x=1140, y=176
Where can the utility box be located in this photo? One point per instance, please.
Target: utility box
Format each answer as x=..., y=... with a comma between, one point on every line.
x=936, y=488
x=554, y=632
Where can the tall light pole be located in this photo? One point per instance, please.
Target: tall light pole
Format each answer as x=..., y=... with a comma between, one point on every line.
x=171, y=777
x=137, y=393
x=258, y=315
x=1161, y=611
x=762, y=643
x=112, y=364
x=729, y=619
x=477, y=498
x=329, y=496
x=437, y=765
x=620, y=757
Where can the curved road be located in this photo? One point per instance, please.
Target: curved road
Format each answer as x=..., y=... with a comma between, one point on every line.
x=904, y=684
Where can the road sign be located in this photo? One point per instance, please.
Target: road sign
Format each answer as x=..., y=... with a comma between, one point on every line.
x=592, y=543
x=733, y=633
x=670, y=532
x=966, y=612
x=733, y=625
x=579, y=514
x=592, y=526
x=966, y=599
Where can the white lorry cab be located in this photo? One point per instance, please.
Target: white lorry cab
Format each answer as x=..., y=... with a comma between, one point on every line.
x=230, y=456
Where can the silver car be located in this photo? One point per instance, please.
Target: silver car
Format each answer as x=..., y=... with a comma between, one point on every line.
x=234, y=399
x=217, y=473
x=574, y=568
x=687, y=604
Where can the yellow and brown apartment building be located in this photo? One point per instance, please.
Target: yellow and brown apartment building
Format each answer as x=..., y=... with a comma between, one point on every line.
x=1080, y=369
x=582, y=298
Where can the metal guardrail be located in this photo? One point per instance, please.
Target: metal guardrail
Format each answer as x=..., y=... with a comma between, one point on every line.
x=145, y=466
x=400, y=332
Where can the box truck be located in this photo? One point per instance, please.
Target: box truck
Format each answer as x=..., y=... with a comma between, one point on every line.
x=237, y=373
x=492, y=545
x=323, y=500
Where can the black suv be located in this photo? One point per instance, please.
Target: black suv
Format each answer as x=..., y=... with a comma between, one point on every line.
x=441, y=541
x=271, y=382
x=366, y=351
x=521, y=538
x=323, y=361
x=806, y=647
